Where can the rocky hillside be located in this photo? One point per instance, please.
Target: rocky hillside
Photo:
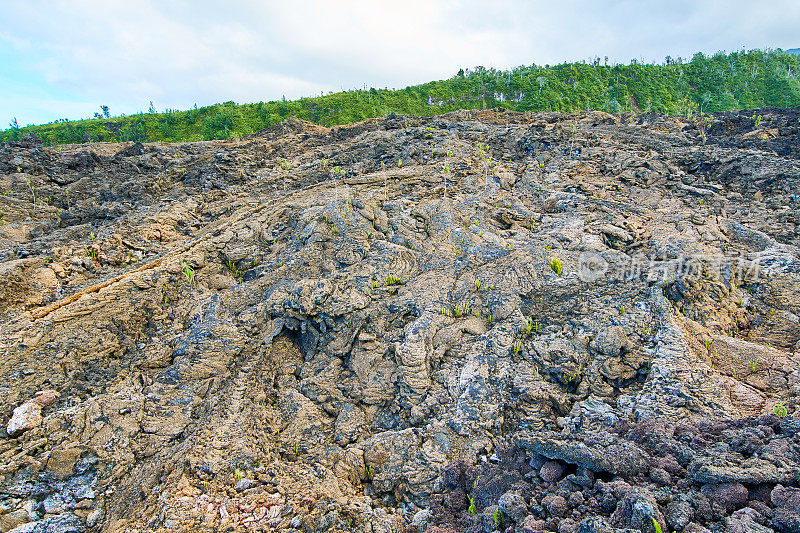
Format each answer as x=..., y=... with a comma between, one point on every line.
x=473, y=322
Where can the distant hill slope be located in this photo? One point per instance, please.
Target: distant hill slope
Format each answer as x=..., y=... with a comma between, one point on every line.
x=793, y=50
x=740, y=80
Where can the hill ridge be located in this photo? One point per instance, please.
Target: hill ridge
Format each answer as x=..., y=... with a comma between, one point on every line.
x=722, y=82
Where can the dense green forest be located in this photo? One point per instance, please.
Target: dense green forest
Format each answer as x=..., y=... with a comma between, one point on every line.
x=739, y=80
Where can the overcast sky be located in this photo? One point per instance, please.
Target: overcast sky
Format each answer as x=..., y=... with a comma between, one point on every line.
x=63, y=59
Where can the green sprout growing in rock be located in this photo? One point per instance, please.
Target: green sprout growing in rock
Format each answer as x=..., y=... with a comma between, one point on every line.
x=657, y=526
x=707, y=343
x=231, y=266
x=30, y=186
x=285, y=166
x=529, y=326
x=369, y=473
x=188, y=271
x=391, y=279
x=555, y=264
x=780, y=409
x=498, y=519
x=472, y=510
x=621, y=309
x=753, y=366
x=517, y=347
x=478, y=285
x=336, y=172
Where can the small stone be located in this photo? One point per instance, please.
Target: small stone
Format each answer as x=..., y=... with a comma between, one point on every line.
x=531, y=524
x=576, y=499
x=244, y=484
x=45, y=397
x=597, y=524
x=679, y=514
x=421, y=518
x=84, y=504
x=660, y=476
x=786, y=521
x=729, y=495
x=786, y=498
x=94, y=517
x=53, y=504
x=551, y=471
x=26, y=416
x=567, y=525
x=349, y=424
x=513, y=506
x=555, y=505
x=14, y=519
x=220, y=282
x=62, y=461
x=609, y=341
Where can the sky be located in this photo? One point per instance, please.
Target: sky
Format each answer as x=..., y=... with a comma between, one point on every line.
x=64, y=59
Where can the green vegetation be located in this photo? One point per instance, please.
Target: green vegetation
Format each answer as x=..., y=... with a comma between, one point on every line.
x=657, y=526
x=471, y=509
x=33, y=191
x=555, y=264
x=233, y=268
x=391, y=279
x=739, y=80
x=188, y=271
x=498, y=519
x=517, y=347
x=780, y=409
x=530, y=325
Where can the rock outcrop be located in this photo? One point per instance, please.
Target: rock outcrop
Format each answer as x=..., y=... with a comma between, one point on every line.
x=473, y=322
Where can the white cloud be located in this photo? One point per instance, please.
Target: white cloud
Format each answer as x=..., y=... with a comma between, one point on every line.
x=178, y=53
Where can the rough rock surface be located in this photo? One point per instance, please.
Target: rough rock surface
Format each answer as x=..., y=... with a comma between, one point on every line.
x=592, y=328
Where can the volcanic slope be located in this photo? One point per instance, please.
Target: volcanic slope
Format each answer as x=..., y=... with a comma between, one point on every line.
x=470, y=322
